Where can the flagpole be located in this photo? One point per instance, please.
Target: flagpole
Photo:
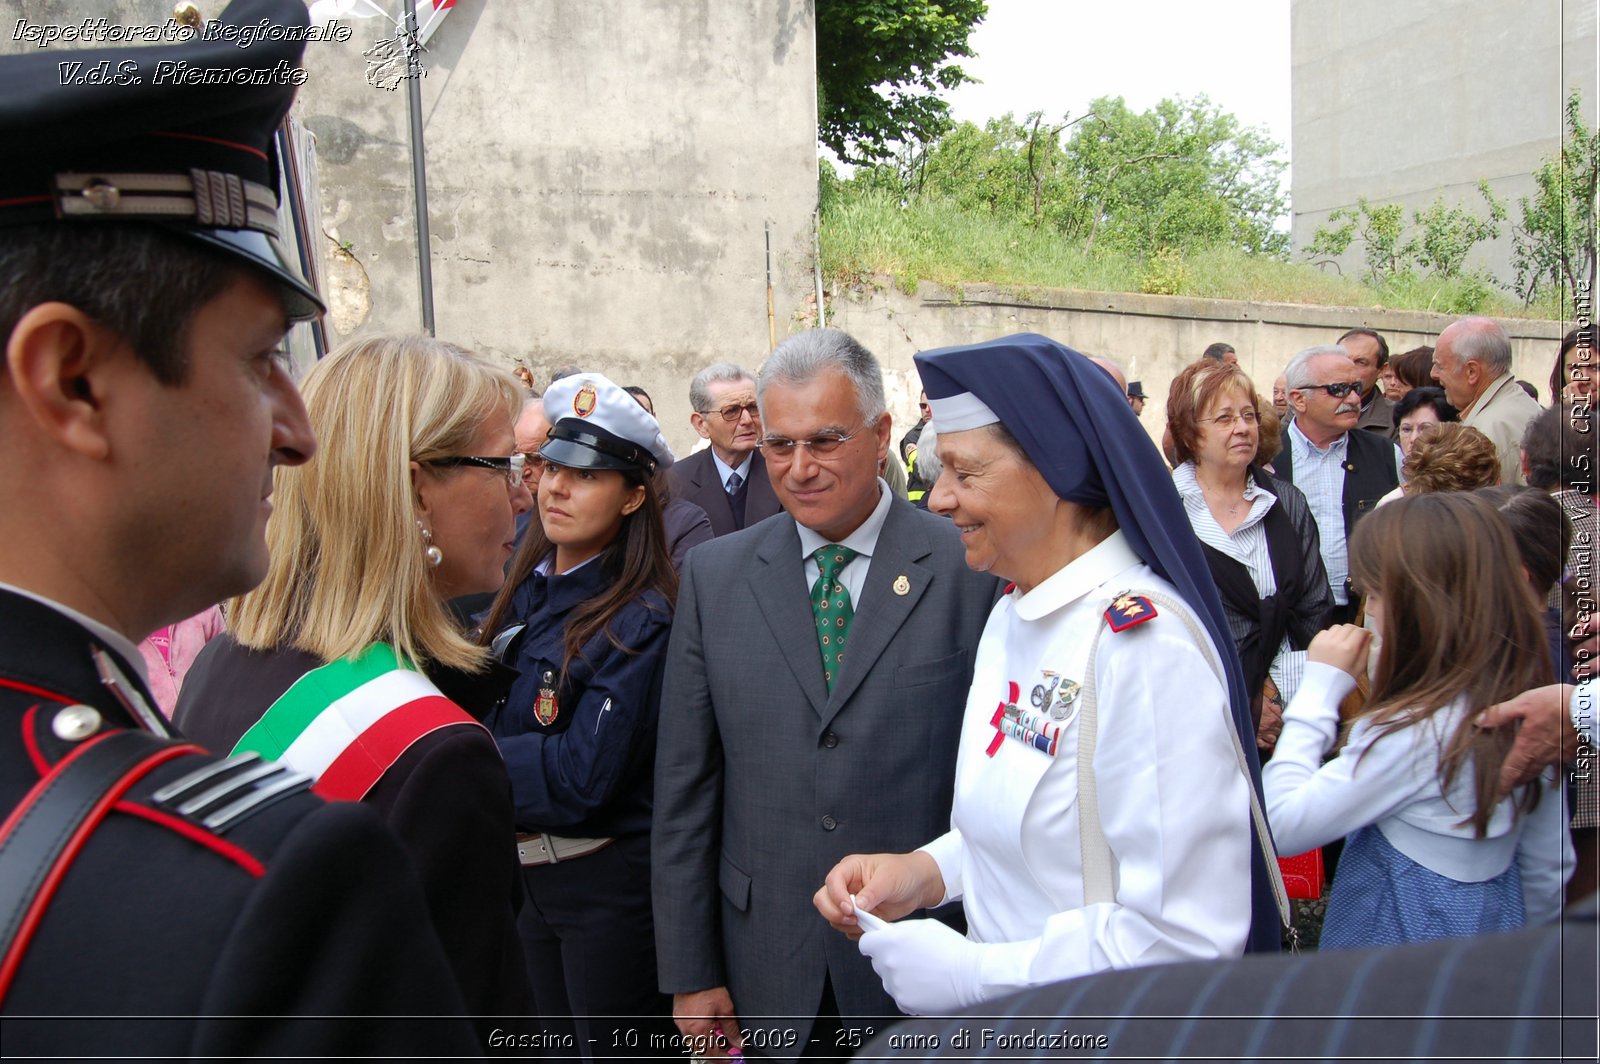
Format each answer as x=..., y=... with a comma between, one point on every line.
x=419, y=168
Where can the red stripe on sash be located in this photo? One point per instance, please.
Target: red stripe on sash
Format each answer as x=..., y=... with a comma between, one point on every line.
x=359, y=767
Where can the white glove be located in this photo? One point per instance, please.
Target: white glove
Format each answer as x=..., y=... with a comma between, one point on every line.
x=926, y=967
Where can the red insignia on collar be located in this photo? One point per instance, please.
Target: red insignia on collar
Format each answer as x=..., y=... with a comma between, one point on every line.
x=1009, y=589
x=1128, y=611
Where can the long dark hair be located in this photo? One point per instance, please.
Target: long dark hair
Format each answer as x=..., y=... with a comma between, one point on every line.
x=635, y=563
x=1459, y=620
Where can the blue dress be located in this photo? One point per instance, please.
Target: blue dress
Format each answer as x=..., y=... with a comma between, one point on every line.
x=1381, y=897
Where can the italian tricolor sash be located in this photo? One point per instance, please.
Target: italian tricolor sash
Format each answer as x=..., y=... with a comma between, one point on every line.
x=346, y=723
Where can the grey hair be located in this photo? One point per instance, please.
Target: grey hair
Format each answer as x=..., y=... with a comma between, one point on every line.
x=802, y=357
x=716, y=373
x=1297, y=374
x=928, y=465
x=1483, y=341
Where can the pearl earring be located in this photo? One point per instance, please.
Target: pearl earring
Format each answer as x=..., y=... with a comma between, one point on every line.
x=434, y=555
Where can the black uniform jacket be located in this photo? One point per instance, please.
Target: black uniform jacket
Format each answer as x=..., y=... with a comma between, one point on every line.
x=167, y=940
x=447, y=799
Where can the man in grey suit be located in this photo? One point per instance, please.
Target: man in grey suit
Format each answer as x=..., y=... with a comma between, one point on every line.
x=728, y=480
x=798, y=727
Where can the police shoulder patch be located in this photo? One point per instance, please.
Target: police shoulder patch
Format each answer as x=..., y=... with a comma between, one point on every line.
x=1128, y=611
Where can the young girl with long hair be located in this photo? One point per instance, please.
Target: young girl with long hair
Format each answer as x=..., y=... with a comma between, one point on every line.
x=1432, y=850
x=585, y=615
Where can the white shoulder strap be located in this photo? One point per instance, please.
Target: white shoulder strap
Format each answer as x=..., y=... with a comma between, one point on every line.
x=1097, y=877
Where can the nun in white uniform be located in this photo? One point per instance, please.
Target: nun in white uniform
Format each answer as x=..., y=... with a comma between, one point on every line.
x=1102, y=815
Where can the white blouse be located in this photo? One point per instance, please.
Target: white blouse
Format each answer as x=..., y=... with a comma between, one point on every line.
x=1392, y=780
x=1173, y=804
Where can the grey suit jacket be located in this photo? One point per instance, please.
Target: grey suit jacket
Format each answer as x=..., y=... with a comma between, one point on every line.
x=765, y=779
x=1528, y=995
x=695, y=479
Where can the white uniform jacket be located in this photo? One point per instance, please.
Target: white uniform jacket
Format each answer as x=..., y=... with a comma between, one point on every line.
x=1174, y=806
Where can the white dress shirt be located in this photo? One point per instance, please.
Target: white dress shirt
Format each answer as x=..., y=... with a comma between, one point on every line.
x=864, y=540
x=724, y=470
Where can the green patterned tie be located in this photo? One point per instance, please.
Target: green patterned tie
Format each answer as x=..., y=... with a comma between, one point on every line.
x=830, y=604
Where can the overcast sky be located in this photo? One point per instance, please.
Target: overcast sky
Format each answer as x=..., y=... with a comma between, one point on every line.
x=1057, y=55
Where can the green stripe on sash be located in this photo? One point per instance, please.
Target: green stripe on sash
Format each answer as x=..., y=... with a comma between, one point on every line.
x=312, y=693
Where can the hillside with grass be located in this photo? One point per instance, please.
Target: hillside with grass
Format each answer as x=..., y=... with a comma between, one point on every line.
x=1177, y=200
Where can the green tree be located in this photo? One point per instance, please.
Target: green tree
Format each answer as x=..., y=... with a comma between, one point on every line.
x=1446, y=235
x=880, y=66
x=1183, y=174
x=1554, y=248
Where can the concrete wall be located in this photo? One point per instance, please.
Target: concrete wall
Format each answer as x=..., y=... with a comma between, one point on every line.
x=599, y=175
x=1152, y=336
x=1406, y=101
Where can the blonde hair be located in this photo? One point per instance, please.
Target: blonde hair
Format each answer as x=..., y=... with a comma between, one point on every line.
x=347, y=557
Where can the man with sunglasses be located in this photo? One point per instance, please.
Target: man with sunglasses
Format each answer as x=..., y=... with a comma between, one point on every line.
x=728, y=480
x=811, y=708
x=1342, y=472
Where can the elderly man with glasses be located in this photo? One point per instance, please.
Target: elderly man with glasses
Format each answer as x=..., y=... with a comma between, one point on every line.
x=1342, y=473
x=728, y=480
x=810, y=709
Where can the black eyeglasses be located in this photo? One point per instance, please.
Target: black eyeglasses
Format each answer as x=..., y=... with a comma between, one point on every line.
x=1338, y=391
x=821, y=445
x=511, y=466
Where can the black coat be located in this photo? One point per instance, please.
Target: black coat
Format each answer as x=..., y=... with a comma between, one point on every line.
x=300, y=909
x=447, y=799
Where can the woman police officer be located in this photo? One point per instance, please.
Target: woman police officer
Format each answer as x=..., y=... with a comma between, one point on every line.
x=585, y=616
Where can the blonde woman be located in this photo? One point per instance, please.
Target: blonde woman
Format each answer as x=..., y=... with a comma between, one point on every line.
x=346, y=663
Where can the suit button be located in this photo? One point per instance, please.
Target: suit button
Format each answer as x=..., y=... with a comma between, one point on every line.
x=828, y=823
x=830, y=740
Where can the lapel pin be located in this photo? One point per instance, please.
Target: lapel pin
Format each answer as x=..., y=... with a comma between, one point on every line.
x=902, y=586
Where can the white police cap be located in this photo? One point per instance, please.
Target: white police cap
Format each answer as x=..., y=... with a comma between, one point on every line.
x=594, y=424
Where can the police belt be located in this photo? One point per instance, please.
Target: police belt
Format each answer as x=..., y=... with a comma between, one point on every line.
x=542, y=849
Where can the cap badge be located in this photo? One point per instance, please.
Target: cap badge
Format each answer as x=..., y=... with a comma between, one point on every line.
x=584, y=402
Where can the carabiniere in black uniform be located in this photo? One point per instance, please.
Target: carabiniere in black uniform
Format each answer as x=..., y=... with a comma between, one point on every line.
x=157, y=901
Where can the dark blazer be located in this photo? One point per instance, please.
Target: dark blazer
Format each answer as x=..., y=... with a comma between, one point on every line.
x=1300, y=606
x=765, y=779
x=695, y=479
x=300, y=909
x=1369, y=472
x=1529, y=995
x=447, y=799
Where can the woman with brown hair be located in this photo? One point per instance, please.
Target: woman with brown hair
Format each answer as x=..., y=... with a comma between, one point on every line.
x=1432, y=850
x=1573, y=376
x=1257, y=532
x=1414, y=369
x=585, y=615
